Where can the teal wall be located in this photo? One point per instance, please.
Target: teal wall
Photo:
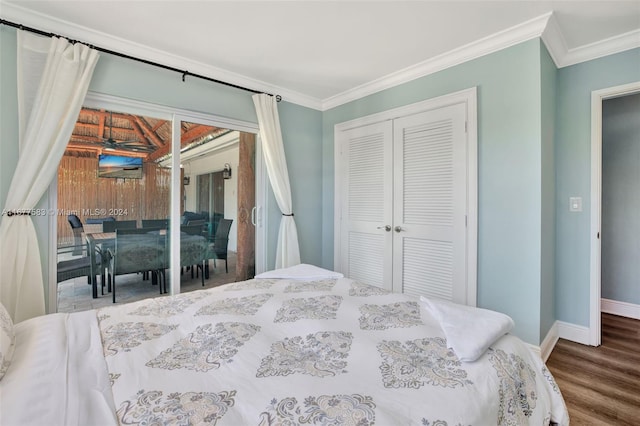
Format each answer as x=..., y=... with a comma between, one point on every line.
x=8, y=110
x=509, y=172
x=548, y=76
x=573, y=174
x=301, y=130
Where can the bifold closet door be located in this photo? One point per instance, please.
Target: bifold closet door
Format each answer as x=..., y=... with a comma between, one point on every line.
x=429, y=203
x=366, y=213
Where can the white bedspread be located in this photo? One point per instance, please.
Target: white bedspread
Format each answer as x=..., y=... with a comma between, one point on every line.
x=58, y=375
x=266, y=352
x=277, y=351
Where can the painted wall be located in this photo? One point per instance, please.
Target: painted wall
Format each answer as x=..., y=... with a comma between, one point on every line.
x=210, y=164
x=303, y=149
x=509, y=172
x=573, y=174
x=621, y=199
x=301, y=129
x=548, y=76
x=8, y=111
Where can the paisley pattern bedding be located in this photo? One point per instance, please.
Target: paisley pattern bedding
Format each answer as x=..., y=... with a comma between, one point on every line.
x=329, y=352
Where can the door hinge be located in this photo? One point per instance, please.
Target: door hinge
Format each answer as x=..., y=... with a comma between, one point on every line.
x=465, y=126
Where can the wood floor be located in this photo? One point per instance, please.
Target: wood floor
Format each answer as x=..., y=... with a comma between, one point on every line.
x=601, y=386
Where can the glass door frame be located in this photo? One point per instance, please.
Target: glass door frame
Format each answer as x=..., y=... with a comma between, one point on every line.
x=176, y=115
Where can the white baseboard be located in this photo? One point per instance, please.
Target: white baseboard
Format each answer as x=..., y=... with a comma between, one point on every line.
x=549, y=342
x=573, y=332
x=623, y=309
x=547, y=345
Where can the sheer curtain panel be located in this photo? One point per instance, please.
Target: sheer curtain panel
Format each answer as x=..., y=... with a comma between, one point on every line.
x=53, y=79
x=288, y=251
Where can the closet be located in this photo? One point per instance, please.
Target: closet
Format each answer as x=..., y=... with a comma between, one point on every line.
x=405, y=180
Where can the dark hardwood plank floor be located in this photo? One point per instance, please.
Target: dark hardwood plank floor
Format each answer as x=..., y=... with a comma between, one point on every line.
x=601, y=386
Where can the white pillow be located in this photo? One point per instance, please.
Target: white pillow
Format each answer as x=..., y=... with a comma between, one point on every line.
x=7, y=340
x=469, y=330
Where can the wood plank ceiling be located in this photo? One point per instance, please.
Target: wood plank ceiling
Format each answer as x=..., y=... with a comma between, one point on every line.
x=98, y=131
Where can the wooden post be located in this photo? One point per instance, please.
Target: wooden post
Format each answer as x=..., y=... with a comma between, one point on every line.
x=246, y=263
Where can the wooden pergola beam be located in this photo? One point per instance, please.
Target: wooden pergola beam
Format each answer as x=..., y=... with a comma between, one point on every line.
x=196, y=133
x=80, y=146
x=155, y=140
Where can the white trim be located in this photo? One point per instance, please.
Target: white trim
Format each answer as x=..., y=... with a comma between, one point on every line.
x=554, y=40
x=595, y=286
x=549, y=342
x=132, y=106
x=573, y=332
x=535, y=349
x=547, y=345
x=501, y=40
x=261, y=200
x=174, y=206
x=469, y=98
x=13, y=12
x=472, y=194
x=462, y=96
x=616, y=44
x=623, y=309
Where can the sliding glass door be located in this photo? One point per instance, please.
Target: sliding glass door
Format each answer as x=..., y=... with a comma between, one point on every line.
x=141, y=193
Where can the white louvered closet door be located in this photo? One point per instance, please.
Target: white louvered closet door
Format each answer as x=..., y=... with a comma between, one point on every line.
x=429, y=204
x=366, y=245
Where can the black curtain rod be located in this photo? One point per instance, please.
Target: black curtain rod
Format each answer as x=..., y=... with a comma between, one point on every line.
x=133, y=58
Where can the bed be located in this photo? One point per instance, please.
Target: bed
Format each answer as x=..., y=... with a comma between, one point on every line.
x=284, y=349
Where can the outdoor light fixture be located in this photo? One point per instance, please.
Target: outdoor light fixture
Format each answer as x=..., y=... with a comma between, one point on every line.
x=186, y=180
x=226, y=172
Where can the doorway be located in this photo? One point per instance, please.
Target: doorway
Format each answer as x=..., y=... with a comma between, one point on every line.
x=599, y=241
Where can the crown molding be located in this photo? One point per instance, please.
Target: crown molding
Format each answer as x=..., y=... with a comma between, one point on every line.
x=18, y=14
x=511, y=36
x=545, y=26
x=553, y=38
x=617, y=44
x=564, y=57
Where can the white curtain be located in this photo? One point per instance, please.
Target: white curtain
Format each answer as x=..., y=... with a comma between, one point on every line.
x=53, y=79
x=288, y=251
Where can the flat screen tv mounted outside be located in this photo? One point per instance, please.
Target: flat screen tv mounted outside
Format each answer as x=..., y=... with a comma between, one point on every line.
x=118, y=166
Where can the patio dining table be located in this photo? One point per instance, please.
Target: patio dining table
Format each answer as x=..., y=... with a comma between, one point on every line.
x=135, y=249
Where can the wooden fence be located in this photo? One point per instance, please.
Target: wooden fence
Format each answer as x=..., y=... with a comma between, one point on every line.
x=83, y=193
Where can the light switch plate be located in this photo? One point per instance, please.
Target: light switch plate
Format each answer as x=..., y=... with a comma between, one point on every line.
x=575, y=204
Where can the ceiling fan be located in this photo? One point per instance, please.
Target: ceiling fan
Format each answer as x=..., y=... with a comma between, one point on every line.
x=111, y=144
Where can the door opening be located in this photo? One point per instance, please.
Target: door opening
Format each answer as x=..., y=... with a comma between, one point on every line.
x=595, y=306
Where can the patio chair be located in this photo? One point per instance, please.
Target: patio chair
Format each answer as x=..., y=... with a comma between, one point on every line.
x=218, y=249
x=77, y=229
x=75, y=267
x=137, y=250
x=187, y=253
